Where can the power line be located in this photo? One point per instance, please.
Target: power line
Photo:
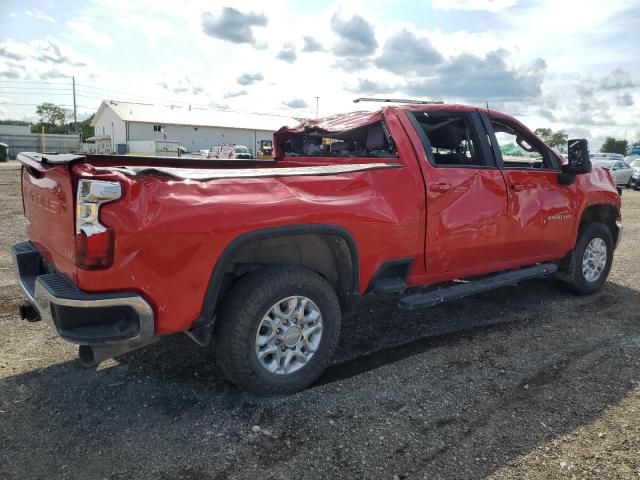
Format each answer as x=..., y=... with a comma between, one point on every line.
x=168, y=98
x=34, y=81
x=98, y=92
x=38, y=93
x=36, y=105
x=11, y=87
x=103, y=94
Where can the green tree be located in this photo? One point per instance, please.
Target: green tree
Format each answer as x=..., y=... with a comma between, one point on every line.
x=558, y=140
x=51, y=118
x=544, y=133
x=611, y=145
x=85, y=129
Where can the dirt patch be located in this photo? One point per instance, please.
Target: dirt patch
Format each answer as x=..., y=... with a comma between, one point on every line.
x=525, y=382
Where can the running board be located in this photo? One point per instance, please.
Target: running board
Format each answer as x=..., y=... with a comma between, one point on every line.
x=455, y=292
x=389, y=286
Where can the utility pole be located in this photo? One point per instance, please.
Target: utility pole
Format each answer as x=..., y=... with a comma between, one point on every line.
x=75, y=112
x=317, y=99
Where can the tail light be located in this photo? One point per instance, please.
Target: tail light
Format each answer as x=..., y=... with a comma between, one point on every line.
x=94, y=241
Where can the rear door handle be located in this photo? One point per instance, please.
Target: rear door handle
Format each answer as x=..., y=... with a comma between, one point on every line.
x=440, y=187
x=517, y=187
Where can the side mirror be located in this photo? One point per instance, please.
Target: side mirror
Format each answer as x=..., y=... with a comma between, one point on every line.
x=578, y=157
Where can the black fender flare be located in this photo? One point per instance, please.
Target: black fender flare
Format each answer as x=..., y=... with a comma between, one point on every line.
x=202, y=329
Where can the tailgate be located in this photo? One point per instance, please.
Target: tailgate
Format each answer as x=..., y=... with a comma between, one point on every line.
x=47, y=192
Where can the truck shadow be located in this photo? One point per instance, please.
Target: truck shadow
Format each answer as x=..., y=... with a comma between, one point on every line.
x=507, y=371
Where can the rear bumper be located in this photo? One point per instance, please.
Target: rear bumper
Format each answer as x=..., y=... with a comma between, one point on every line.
x=125, y=319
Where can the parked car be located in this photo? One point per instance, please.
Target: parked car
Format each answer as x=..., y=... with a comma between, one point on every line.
x=620, y=170
x=635, y=178
x=263, y=260
x=230, y=152
x=635, y=164
x=606, y=156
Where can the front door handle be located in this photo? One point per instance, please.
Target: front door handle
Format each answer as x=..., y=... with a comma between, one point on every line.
x=440, y=187
x=517, y=187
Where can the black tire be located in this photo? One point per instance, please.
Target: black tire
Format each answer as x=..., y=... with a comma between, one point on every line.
x=573, y=277
x=243, y=310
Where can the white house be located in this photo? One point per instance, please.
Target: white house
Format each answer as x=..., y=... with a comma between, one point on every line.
x=194, y=128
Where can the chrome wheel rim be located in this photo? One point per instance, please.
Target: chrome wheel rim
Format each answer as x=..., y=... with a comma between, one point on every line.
x=288, y=335
x=594, y=259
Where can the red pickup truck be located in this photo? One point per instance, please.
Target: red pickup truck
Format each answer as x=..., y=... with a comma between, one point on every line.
x=262, y=259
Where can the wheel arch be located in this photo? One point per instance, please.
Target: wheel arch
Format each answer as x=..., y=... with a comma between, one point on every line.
x=328, y=250
x=603, y=213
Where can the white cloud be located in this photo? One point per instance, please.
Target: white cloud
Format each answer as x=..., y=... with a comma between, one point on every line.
x=233, y=25
x=153, y=29
x=296, y=103
x=43, y=59
x=37, y=14
x=84, y=30
x=488, y=5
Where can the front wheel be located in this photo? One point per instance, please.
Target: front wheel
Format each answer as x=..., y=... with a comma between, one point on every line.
x=592, y=259
x=277, y=330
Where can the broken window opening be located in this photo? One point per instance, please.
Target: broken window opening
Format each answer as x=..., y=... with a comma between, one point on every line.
x=371, y=140
x=451, y=140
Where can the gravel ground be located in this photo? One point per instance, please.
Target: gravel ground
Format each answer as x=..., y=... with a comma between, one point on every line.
x=524, y=382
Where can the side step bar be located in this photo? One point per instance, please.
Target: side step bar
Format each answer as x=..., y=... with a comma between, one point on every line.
x=455, y=292
x=389, y=286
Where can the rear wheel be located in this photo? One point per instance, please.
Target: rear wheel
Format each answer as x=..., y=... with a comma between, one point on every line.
x=277, y=330
x=592, y=259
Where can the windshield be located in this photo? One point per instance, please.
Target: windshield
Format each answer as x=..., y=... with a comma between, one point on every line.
x=242, y=150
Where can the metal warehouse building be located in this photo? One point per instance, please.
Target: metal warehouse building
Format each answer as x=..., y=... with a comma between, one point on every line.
x=196, y=129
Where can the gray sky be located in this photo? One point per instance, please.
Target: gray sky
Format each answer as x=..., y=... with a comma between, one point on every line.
x=569, y=65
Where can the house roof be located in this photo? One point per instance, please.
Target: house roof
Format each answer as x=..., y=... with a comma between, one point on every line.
x=197, y=117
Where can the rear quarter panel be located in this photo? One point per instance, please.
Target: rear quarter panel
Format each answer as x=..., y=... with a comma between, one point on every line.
x=169, y=233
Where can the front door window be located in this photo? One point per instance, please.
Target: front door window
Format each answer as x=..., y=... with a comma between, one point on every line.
x=519, y=150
